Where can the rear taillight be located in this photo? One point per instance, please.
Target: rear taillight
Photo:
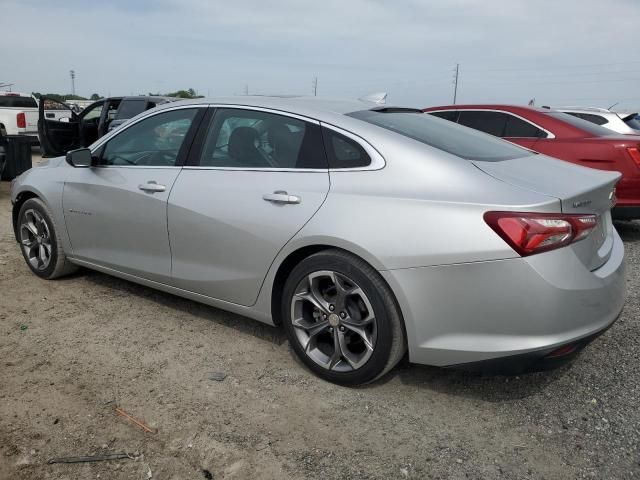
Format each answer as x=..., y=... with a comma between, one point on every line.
x=634, y=153
x=531, y=233
x=21, y=120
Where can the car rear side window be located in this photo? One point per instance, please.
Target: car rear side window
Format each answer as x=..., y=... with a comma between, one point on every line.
x=451, y=115
x=343, y=152
x=446, y=136
x=493, y=123
x=251, y=139
x=633, y=121
x=516, y=127
x=130, y=108
x=153, y=142
x=10, y=101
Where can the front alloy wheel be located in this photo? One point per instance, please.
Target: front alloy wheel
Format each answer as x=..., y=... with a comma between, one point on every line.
x=39, y=241
x=35, y=238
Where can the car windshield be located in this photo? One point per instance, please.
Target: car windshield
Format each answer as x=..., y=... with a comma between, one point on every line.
x=592, y=128
x=442, y=134
x=17, y=102
x=633, y=121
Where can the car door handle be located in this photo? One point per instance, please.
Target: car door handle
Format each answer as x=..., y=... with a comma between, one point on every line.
x=152, y=187
x=280, y=196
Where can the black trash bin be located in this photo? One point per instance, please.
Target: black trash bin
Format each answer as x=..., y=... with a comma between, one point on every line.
x=17, y=151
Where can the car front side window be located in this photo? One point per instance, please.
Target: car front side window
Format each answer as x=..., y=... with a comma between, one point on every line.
x=154, y=141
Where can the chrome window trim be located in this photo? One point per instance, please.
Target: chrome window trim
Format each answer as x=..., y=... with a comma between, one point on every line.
x=550, y=134
x=377, y=160
x=266, y=110
x=270, y=169
x=136, y=166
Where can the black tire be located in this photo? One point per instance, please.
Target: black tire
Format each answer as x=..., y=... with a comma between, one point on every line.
x=390, y=343
x=58, y=265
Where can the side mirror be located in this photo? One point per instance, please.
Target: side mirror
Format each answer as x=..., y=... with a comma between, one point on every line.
x=80, y=158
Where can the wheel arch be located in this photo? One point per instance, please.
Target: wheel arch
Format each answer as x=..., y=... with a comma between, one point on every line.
x=20, y=199
x=294, y=257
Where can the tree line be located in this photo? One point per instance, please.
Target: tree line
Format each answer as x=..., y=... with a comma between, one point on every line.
x=188, y=93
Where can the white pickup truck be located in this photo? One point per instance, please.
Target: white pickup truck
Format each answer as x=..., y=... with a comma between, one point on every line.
x=18, y=115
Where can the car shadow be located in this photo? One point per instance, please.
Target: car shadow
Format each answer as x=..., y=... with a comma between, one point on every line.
x=486, y=387
x=629, y=231
x=180, y=304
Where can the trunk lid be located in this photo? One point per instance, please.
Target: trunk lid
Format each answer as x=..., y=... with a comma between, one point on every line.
x=579, y=189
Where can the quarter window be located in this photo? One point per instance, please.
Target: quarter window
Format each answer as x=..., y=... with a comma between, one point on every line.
x=516, y=127
x=493, y=123
x=344, y=152
x=241, y=138
x=154, y=141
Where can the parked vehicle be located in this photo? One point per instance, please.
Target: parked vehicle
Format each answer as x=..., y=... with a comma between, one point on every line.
x=18, y=131
x=18, y=115
x=365, y=232
x=561, y=136
x=59, y=135
x=618, y=122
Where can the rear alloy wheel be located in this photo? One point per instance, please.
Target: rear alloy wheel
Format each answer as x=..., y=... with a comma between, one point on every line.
x=341, y=318
x=39, y=241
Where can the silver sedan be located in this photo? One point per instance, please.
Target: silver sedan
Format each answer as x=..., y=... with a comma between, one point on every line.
x=369, y=232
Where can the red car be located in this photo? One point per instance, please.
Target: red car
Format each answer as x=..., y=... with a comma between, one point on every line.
x=562, y=136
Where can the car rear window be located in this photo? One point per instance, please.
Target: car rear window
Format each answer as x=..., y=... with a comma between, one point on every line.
x=17, y=102
x=592, y=128
x=130, y=108
x=633, y=121
x=444, y=135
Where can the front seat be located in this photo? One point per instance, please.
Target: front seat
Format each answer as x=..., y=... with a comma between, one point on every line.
x=243, y=148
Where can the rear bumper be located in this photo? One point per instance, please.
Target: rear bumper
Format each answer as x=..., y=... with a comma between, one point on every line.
x=486, y=311
x=536, y=361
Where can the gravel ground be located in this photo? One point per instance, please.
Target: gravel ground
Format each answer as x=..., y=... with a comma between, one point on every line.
x=72, y=350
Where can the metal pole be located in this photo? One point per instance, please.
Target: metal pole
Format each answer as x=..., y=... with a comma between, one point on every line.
x=455, y=84
x=315, y=86
x=73, y=82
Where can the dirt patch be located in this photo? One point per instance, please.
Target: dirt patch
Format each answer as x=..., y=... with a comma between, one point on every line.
x=72, y=350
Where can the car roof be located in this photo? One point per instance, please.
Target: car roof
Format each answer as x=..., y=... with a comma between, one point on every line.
x=319, y=108
x=489, y=106
x=149, y=97
x=582, y=109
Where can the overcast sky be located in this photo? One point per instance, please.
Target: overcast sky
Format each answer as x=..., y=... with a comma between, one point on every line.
x=583, y=52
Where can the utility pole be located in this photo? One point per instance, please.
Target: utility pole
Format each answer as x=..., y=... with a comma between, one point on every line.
x=73, y=81
x=455, y=82
x=314, y=86
x=246, y=89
